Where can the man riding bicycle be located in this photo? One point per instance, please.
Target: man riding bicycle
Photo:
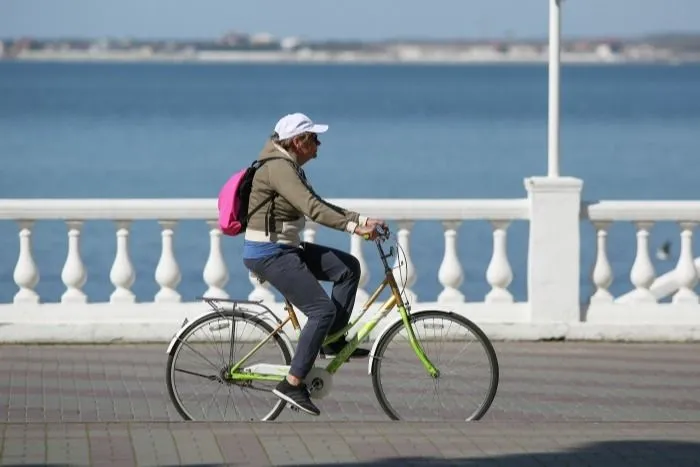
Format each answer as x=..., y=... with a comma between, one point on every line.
x=275, y=253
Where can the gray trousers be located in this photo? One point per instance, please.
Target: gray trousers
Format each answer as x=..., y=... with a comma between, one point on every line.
x=296, y=273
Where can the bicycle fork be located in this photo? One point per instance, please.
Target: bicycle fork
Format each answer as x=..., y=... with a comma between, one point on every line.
x=415, y=343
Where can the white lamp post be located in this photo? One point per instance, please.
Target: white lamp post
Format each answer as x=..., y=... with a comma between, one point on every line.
x=554, y=63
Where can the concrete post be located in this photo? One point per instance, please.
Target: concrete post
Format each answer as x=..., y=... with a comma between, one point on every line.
x=554, y=249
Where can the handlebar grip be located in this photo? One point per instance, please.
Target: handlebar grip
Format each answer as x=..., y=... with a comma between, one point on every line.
x=382, y=233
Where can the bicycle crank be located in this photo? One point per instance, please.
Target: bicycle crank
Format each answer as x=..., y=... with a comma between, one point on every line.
x=319, y=382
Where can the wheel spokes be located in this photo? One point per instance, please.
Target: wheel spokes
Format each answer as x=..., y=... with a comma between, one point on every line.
x=465, y=386
x=215, y=344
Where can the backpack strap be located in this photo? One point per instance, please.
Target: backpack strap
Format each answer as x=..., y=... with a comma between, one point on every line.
x=259, y=164
x=267, y=200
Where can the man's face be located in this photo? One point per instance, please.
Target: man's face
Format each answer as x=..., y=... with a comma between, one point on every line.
x=306, y=147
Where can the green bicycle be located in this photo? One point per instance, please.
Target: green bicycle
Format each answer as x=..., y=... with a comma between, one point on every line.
x=225, y=363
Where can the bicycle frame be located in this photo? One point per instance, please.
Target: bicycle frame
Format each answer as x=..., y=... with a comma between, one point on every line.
x=268, y=372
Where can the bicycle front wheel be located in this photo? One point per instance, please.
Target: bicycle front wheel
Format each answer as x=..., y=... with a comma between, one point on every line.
x=199, y=362
x=468, y=366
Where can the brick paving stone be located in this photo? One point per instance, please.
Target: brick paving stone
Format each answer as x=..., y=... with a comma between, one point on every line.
x=282, y=450
x=241, y=448
x=144, y=450
x=67, y=447
x=110, y=446
x=327, y=448
x=196, y=446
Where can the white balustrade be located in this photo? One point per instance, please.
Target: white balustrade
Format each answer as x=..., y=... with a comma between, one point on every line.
x=450, y=273
x=74, y=274
x=261, y=290
x=649, y=289
x=499, y=273
x=167, y=272
x=122, y=274
x=215, y=272
x=604, y=316
x=356, y=250
x=686, y=273
x=309, y=234
x=404, y=270
x=602, y=272
x=642, y=273
x=26, y=274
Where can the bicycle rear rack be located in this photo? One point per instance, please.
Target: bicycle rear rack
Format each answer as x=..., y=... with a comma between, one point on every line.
x=216, y=304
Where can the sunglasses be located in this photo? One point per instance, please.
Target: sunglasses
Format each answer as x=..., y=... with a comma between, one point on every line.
x=309, y=137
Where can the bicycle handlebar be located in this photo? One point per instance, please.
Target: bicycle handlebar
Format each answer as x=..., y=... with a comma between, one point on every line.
x=384, y=234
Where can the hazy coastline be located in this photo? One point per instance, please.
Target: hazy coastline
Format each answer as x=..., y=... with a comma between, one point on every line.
x=263, y=48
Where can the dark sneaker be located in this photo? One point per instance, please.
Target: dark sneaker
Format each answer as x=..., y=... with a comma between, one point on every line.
x=298, y=396
x=334, y=348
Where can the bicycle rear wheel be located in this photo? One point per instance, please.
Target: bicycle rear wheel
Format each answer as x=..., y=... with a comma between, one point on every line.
x=468, y=379
x=198, y=365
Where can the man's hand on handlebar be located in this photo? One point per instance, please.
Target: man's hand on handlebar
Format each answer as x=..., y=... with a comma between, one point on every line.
x=377, y=223
x=373, y=229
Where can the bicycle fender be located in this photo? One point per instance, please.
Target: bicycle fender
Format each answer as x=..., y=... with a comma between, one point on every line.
x=382, y=333
x=283, y=335
x=182, y=329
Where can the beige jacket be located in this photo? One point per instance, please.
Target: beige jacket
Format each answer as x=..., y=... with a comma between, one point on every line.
x=282, y=220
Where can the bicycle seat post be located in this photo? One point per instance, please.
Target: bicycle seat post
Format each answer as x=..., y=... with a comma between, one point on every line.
x=292, y=314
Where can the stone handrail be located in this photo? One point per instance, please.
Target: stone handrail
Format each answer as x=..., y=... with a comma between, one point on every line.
x=641, y=211
x=204, y=208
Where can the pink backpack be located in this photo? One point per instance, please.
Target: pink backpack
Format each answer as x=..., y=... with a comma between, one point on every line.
x=233, y=199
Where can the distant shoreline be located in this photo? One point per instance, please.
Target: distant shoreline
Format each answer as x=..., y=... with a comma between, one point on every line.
x=263, y=48
x=252, y=58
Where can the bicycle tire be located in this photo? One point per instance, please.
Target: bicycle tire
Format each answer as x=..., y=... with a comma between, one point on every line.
x=237, y=315
x=387, y=337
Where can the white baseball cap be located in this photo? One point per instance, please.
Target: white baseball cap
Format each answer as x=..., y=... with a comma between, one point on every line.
x=295, y=124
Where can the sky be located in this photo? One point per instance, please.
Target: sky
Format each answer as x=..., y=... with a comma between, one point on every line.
x=334, y=19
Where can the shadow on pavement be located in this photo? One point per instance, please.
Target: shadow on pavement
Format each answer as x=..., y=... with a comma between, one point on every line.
x=638, y=453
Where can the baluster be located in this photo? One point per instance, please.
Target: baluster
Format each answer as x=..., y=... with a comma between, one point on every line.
x=310, y=232
x=215, y=272
x=642, y=273
x=450, y=273
x=499, y=273
x=26, y=274
x=356, y=250
x=686, y=274
x=261, y=291
x=404, y=271
x=602, y=272
x=74, y=274
x=167, y=272
x=122, y=273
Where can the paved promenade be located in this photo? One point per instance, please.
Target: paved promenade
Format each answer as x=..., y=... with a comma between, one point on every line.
x=557, y=404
